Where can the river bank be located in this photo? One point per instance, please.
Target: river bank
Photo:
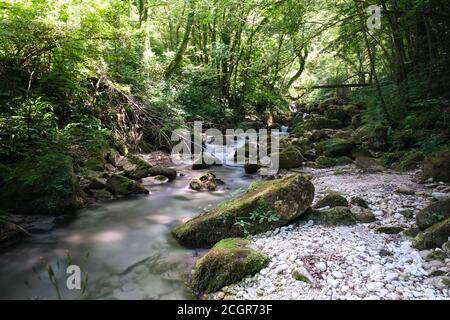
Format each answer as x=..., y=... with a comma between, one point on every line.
x=351, y=262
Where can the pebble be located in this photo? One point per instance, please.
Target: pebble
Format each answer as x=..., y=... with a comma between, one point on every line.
x=351, y=262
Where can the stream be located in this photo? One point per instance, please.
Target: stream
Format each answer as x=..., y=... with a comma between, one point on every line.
x=125, y=246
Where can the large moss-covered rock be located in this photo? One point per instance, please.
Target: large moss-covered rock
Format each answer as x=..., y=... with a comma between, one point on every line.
x=410, y=161
x=432, y=214
x=169, y=173
x=41, y=185
x=290, y=157
x=332, y=199
x=372, y=137
x=136, y=168
x=437, y=166
x=9, y=232
x=336, y=113
x=325, y=123
x=122, y=186
x=333, y=216
x=228, y=262
x=335, y=147
x=434, y=236
x=327, y=162
x=288, y=198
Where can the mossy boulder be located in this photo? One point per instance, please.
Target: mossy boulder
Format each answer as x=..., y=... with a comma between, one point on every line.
x=327, y=162
x=324, y=123
x=136, y=168
x=336, y=113
x=389, y=229
x=372, y=137
x=290, y=157
x=41, y=185
x=335, y=147
x=169, y=173
x=288, y=198
x=437, y=166
x=333, y=216
x=363, y=215
x=369, y=164
x=122, y=186
x=432, y=214
x=332, y=199
x=358, y=201
x=434, y=236
x=96, y=163
x=228, y=262
x=410, y=161
x=436, y=255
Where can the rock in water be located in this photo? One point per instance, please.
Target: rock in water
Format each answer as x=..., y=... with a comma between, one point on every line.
x=204, y=182
x=288, y=198
x=41, y=185
x=169, y=173
x=122, y=186
x=251, y=168
x=226, y=263
x=434, y=236
x=432, y=214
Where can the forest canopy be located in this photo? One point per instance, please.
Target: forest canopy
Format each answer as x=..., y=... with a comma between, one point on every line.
x=133, y=70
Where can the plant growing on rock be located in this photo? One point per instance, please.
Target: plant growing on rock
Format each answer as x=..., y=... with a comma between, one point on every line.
x=259, y=215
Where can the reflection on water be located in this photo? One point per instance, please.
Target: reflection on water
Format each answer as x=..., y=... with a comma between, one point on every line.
x=125, y=246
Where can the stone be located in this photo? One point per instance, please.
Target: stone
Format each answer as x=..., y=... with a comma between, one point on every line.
x=434, y=236
x=335, y=147
x=321, y=266
x=251, y=168
x=169, y=173
x=206, y=181
x=389, y=229
x=432, y=214
x=437, y=166
x=332, y=216
x=122, y=186
x=287, y=198
x=441, y=195
x=229, y=261
x=332, y=199
x=358, y=201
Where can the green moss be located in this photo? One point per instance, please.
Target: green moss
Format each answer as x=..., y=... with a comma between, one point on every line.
x=288, y=197
x=300, y=277
x=332, y=199
x=359, y=202
x=231, y=243
x=225, y=264
x=119, y=185
x=437, y=166
x=325, y=162
x=333, y=216
x=410, y=161
x=96, y=163
x=434, y=236
x=335, y=147
x=436, y=255
x=389, y=229
x=45, y=185
x=446, y=282
x=432, y=214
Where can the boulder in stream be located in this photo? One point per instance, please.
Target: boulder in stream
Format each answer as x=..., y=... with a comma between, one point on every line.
x=206, y=181
x=287, y=198
x=122, y=186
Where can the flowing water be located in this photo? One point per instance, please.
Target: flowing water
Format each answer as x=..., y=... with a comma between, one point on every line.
x=125, y=246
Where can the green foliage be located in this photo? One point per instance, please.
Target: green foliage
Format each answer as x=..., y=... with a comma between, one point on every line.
x=259, y=215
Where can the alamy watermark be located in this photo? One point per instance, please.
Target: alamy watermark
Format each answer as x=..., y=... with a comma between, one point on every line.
x=374, y=21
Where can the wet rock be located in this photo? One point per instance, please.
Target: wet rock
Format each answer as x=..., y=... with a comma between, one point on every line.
x=333, y=216
x=204, y=182
x=441, y=195
x=169, y=173
x=288, y=198
x=229, y=261
x=410, y=161
x=437, y=166
x=122, y=186
x=436, y=255
x=9, y=232
x=411, y=232
x=102, y=195
x=332, y=199
x=432, y=214
x=434, y=236
x=290, y=157
x=251, y=168
x=363, y=215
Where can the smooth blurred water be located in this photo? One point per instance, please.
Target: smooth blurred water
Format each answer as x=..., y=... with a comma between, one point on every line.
x=125, y=246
